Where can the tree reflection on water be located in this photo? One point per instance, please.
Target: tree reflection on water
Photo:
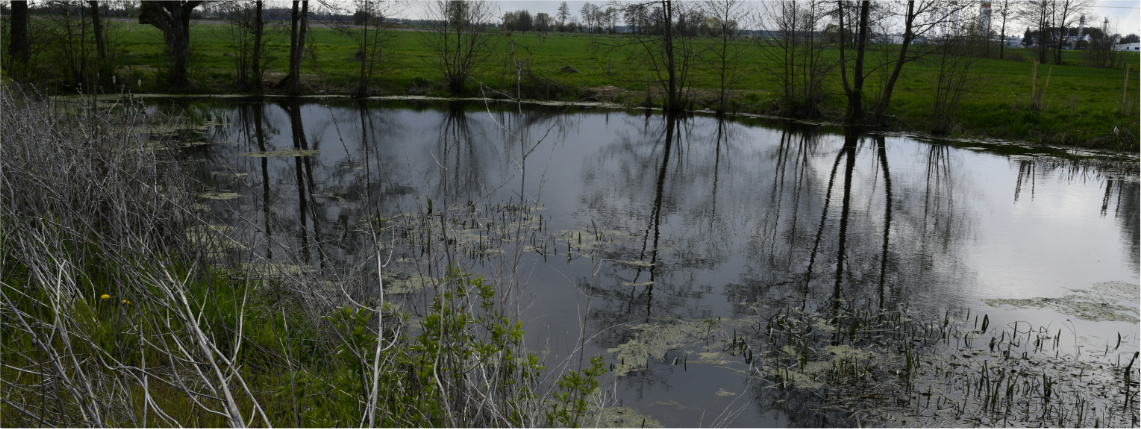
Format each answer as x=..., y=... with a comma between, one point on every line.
x=666, y=219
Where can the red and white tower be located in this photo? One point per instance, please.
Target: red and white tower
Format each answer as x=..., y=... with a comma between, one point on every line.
x=984, y=17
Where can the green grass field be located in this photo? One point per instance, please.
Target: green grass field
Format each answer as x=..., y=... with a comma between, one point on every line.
x=1081, y=104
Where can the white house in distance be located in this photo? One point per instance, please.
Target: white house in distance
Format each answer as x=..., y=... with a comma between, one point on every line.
x=1131, y=47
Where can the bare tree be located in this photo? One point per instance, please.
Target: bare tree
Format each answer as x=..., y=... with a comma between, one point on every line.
x=857, y=25
x=1100, y=51
x=173, y=19
x=104, y=68
x=795, y=50
x=1051, y=18
x=670, y=55
x=919, y=20
x=368, y=34
x=957, y=56
x=589, y=13
x=68, y=44
x=610, y=16
x=727, y=52
x=1037, y=14
x=299, y=24
x=563, y=16
x=1006, y=9
x=459, y=38
x=245, y=33
x=1064, y=15
x=637, y=19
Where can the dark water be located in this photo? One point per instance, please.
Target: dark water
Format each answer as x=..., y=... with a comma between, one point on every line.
x=646, y=219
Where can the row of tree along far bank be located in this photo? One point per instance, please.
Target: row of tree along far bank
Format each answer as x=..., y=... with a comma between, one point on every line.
x=818, y=59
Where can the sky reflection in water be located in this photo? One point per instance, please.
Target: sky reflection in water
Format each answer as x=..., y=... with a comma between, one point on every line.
x=693, y=219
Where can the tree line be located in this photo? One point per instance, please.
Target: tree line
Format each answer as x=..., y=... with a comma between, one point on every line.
x=668, y=41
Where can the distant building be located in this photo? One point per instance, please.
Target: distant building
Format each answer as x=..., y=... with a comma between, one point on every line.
x=1012, y=41
x=894, y=39
x=1131, y=47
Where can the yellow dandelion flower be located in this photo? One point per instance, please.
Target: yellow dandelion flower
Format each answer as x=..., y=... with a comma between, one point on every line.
x=126, y=302
x=105, y=296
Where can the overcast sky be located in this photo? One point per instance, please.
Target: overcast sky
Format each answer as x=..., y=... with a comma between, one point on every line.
x=1125, y=15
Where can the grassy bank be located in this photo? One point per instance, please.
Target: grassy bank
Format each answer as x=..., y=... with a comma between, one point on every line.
x=115, y=313
x=1082, y=105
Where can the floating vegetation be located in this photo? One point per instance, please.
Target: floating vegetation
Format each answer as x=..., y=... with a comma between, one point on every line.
x=624, y=417
x=289, y=153
x=634, y=263
x=229, y=174
x=653, y=340
x=409, y=284
x=219, y=195
x=1099, y=303
x=592, y=242
x=885, y=368
x=637, y=284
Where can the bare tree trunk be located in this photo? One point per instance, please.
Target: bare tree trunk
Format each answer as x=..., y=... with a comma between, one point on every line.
x=258, y=27
x=672, y=102
x=300, y=20
x=855, y=90
x=97, y=27
x=301, y=38
x=727, y=51
x=908, y=36
x=293, y=22
x=173, y=18
x=18, y=48
x=178, y=76
x=1002, y=31
x=362, y=83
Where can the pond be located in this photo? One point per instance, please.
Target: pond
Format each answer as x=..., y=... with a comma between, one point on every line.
x=745, y=272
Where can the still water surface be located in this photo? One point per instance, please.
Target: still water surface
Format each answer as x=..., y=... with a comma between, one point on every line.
x=645, y=220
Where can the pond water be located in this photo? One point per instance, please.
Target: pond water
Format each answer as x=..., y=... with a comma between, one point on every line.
x=672, y=244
